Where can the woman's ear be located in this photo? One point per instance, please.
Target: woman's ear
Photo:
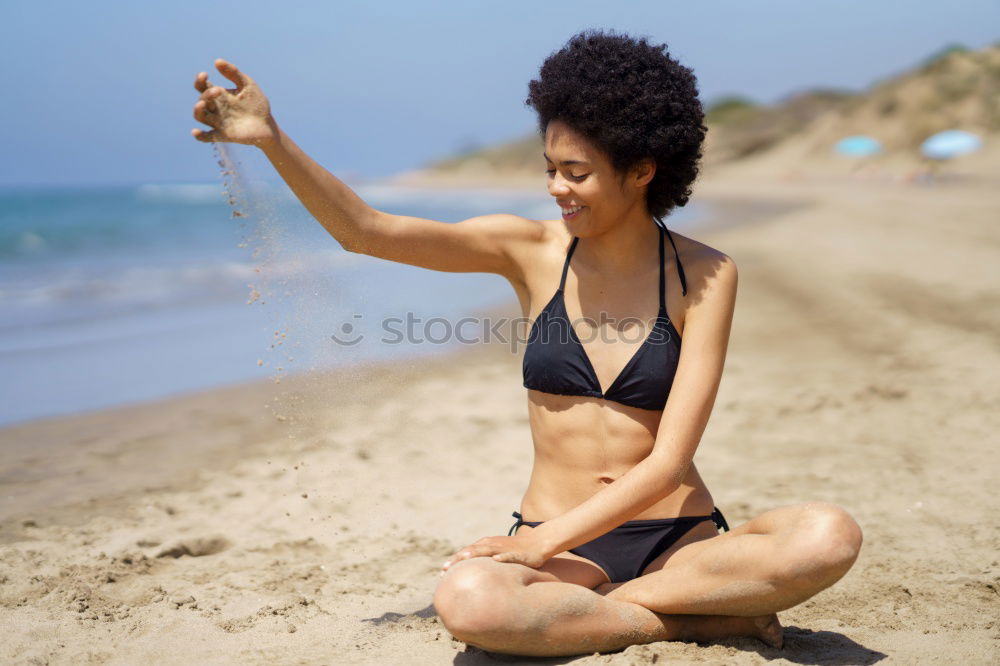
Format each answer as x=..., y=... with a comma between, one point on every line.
x=643, y=172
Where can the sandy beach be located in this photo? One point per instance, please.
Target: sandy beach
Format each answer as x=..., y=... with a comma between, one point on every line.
x=304, y=522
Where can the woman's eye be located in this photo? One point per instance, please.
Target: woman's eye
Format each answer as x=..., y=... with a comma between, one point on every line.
x=552, y=172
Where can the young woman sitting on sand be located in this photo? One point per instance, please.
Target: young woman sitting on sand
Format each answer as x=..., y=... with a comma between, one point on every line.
x=623, y=531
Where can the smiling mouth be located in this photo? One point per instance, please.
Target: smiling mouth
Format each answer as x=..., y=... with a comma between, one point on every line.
x=571, y=212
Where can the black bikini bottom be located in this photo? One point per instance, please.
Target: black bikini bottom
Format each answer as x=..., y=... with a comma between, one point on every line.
x=624, y=552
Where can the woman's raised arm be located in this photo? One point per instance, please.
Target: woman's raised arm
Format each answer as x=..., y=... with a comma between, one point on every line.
x=488, y=244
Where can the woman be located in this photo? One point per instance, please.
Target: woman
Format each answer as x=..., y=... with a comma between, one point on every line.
x=623, y=530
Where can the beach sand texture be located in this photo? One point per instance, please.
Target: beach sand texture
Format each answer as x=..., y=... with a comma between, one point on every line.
x=862, y=371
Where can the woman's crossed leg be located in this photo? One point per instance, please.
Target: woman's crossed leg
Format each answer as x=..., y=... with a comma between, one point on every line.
x=703, y=589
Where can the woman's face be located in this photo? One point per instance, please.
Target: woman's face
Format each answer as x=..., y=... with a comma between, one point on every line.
x=584, y=183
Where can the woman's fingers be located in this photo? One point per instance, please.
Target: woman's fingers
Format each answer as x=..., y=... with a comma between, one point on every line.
x=509, y=557
x=208, y=137
x=230, y=71
x=210, y=96
x=227, y=69
x=464, y=554
x=208, y=116
x=205, y=114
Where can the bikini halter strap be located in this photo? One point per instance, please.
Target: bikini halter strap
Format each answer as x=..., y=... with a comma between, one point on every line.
x=680, y=268
x=569, y=255
x=677, y=256
x=663, y=298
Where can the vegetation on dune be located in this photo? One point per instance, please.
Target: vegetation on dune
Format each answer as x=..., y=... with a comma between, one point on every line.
x=954, y=87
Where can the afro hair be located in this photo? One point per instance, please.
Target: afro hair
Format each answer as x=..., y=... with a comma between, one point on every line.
x=633, y=101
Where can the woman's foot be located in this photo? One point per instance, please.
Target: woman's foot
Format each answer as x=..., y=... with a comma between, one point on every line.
x=769, y=630
x=711, y=628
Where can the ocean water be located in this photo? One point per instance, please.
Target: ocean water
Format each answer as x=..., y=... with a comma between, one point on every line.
x=123, y=294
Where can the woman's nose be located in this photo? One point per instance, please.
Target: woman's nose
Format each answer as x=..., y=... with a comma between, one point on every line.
x=558, y=186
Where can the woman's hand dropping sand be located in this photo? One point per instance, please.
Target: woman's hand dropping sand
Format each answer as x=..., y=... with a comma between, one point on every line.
x=236, y=115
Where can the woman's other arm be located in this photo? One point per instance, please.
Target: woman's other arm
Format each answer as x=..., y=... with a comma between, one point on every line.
x=707, y=324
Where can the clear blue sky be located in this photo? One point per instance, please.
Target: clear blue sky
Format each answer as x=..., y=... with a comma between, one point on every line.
x=101, y=92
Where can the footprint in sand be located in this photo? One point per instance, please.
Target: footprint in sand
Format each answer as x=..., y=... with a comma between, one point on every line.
x=195, y=547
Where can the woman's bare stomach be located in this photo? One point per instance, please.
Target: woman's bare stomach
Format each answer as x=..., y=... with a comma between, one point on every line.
x=584, y=444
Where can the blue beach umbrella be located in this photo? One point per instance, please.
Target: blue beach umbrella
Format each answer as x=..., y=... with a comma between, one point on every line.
x=858, y=146
x=950, y=143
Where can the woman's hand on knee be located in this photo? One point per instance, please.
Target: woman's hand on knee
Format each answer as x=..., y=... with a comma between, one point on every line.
x=520, y=549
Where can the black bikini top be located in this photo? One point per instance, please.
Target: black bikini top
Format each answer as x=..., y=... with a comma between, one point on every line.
x=556, y=362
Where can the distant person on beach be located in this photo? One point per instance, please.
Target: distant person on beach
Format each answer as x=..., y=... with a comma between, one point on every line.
x=622, y=366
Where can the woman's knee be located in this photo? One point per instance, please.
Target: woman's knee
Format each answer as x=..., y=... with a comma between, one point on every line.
x=474, y=598
x=827, y=539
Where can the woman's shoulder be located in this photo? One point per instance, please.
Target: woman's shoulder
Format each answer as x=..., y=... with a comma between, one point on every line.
x=697, y=253
x=537, y=232
x=549, y=236
x=703, y=264
x=536, y=246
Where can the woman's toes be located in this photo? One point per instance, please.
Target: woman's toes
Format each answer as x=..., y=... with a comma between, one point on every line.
x=769, y=630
